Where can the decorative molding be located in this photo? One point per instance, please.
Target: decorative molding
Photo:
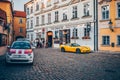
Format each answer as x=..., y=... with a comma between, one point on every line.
x=74, y=1
x=104, y=20
x=55, y=7
x=101, y=1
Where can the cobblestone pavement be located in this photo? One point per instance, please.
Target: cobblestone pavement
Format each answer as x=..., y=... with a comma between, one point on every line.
x=51, y=64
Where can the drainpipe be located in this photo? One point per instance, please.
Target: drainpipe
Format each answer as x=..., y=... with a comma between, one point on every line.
x=95, y=3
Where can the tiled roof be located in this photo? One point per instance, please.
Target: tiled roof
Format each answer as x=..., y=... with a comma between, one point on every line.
x=19, y=14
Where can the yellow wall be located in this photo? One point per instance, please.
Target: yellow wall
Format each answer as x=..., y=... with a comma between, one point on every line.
x=6, y=6
x=17, y=26
x=107, y=31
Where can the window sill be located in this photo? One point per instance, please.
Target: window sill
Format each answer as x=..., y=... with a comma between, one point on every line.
x=49, y=23
x=74, y=37
x=75, y=18
x=117, y=18
x=86, y=37
x=36, y=25
x=89, y=16
x=105, y=45
x=42, y=24
x=104, y=20
x=65, y=20
x=56, y=21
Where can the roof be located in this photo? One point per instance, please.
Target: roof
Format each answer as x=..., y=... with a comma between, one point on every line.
x=19, y=14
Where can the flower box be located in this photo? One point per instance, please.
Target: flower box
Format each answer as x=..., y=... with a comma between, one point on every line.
x=74, y=37
x=86, y=37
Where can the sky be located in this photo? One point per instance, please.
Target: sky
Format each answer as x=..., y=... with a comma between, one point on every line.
x=19, y=4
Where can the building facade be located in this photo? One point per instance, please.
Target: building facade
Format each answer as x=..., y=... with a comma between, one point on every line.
x=6, y=6
x=19, y=24
x=3, y=21
x=109, y=25
x=62, y=21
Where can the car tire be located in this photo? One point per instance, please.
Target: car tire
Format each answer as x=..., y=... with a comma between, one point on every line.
x=31, y=63
x=78, y=51
x=62, y=49
x=6, y=63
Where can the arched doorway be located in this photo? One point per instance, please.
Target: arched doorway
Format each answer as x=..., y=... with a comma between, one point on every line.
x=17, y=37
x=49, y=38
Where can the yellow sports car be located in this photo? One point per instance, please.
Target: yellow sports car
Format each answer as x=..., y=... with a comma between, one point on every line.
x=74, y=47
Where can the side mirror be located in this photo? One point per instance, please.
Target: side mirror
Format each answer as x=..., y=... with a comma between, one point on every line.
x=8, y=47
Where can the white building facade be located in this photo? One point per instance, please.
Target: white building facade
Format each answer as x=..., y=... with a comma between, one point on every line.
x=62, y=21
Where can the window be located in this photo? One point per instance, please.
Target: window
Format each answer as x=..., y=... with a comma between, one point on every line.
x=37, y=6
x=20, y=21
x=28, y=36
x=56, y=34
x=74, y=12
x=3, y=39
x=31, y=24
x=27, y=24
x=105, y=40
x=49, y=18
x=56, y=16
x=64, y=15
x=37, y=21
x=27, y=11
x=118, y=7
x=105, y=12
x=118, y=40
x=75, y=32
x=87, y=9
x=86, y=32
x=20, y=29
x=43, y=19
x=31, y=37
x=31, y=9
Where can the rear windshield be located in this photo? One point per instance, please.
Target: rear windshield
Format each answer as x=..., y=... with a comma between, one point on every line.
x=21, y=45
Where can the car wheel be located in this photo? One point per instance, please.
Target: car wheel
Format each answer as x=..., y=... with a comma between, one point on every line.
x=78, y=51
x=6, y=63
x=62, y=50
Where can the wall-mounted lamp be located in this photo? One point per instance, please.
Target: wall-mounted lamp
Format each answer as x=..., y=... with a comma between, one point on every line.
x=110, y=25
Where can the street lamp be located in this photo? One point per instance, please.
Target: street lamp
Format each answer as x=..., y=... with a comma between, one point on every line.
x=110, y=25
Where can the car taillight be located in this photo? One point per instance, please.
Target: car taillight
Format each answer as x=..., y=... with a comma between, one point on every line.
x=12, y=51
x=29, y=51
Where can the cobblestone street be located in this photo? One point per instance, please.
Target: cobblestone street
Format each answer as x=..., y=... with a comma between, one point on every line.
x=51, y=64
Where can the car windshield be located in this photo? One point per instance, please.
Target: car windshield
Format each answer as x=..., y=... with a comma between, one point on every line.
x=21, y=45
x=75, y=45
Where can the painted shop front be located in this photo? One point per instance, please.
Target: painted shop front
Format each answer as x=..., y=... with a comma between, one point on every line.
x=80, y=34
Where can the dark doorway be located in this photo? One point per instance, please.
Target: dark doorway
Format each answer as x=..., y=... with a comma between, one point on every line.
x=50, y=41
x=19, y=37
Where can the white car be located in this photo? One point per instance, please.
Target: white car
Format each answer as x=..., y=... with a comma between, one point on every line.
x=20, y=52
